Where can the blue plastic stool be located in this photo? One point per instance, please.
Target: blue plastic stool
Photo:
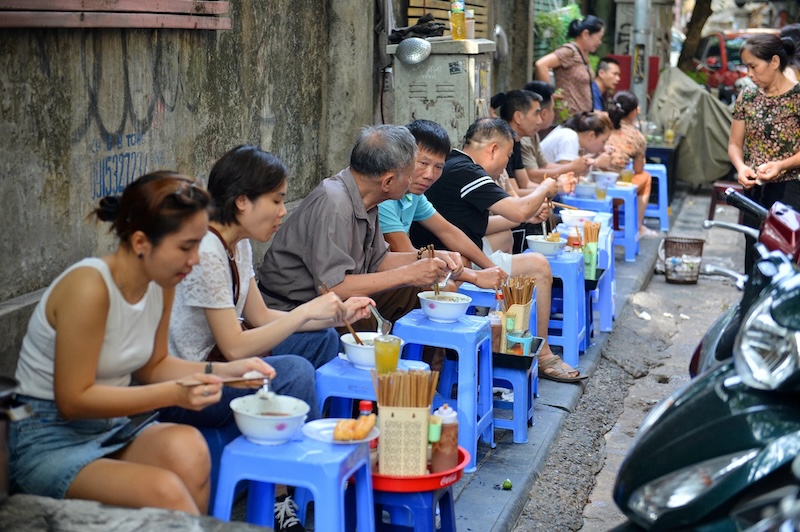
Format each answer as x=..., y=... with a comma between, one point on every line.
x=485, y=297
x=524, y=383
x=659, y=210
x=588, y=204
x=569, y=332
x=341, y=382
x=415, y=510
x=481, y=297
x=605, y=295
x=217, y=439
x=322, y=468
x=471, y=338
x=628, y=236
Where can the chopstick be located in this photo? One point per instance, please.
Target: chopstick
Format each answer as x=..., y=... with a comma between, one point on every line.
x=323, y=289
x=225, y=381
x=564, y=205
x=431, y=255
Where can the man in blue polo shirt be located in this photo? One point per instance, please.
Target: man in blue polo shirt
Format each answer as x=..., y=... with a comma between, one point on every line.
x=396, y=216
x=467, y=195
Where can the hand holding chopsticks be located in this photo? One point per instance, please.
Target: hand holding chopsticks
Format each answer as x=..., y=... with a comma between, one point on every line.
x=323, y=289
x=432, y=255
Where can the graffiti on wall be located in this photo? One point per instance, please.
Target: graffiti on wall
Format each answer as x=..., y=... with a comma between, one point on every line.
x=118, y=162
x=148, y=84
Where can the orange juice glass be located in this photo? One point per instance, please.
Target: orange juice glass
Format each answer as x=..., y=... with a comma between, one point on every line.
x=387, y=353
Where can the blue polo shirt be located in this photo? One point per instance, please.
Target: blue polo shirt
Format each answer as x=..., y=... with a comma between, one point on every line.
x=395, y=216
x=598, y=99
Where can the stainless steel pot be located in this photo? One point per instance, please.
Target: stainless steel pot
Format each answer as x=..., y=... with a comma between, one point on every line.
x=7, y=387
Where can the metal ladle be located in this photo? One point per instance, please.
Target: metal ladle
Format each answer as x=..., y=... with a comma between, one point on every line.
x=413, y=50
x=384, y=325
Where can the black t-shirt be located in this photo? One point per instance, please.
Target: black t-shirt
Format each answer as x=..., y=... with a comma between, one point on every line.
x=515, y=161
x=463, y=196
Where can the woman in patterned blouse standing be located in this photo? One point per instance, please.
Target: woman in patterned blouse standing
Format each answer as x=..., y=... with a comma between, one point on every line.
x=570, y=63
x=764, y=146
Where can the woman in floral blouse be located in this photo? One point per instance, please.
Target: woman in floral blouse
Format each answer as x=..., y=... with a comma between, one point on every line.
x=764, y=145
x=629, y=144
x=570, y=63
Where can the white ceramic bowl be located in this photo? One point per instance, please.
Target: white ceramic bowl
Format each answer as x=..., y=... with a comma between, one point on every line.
x=608, y=178
x=447, y=307
x=572, y=217
x=585, y=190
x=538, y=244
x=269, y=421
x=361, y=356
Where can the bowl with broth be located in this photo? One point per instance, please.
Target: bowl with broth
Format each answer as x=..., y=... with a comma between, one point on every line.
x=447, y=307
x=269, y=421
x=547, y=246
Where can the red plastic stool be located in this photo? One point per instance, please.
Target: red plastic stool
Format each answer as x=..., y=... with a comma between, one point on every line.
x=410, y=502
x=718, y=196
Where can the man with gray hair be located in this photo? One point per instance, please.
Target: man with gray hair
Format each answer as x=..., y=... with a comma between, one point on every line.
x=334, y=238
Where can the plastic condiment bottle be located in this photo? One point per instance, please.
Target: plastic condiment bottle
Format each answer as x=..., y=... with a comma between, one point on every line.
x=365, y=409
x=458, y=20
x=495, y=320
x=444, y=453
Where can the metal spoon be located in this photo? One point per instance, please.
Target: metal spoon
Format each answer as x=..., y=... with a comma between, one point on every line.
x=265, y=392
x=384, y=325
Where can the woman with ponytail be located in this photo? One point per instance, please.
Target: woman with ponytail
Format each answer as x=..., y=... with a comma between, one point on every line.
x=101, y=324
x=763, y=145
x=570, y=63
x=628, y=144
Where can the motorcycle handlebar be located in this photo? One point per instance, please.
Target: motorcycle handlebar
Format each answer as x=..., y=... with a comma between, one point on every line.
x=713, y=269
x=743, y=203
x=750, y=231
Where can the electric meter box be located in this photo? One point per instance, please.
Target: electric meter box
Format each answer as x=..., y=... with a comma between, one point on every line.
x=452, y=87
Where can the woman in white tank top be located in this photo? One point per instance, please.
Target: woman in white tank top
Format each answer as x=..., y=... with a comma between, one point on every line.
x=101, y=324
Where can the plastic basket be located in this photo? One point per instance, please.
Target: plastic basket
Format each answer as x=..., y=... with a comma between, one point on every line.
x=682, y=258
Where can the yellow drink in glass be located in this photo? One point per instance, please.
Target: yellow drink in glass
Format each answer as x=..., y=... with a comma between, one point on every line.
x=626, y=175
x=387, y=353
x=600, y=193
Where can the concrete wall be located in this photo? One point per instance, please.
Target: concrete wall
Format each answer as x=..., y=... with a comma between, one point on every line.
x=516, y=19
x=84, y=112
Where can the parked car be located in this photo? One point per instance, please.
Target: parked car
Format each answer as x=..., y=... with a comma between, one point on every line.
x=718, y=57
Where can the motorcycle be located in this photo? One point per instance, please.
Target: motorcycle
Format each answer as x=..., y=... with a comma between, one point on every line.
x=779, y=231
x=704, y=458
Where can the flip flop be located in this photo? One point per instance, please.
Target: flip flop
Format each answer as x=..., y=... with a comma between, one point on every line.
x=649, y=233
x=560, y=370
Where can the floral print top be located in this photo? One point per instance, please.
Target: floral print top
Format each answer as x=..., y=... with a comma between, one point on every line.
x=574, y=77
x=771, y=127
x=628, y=143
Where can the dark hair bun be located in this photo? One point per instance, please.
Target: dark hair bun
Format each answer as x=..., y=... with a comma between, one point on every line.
x=789, y=45
x=498, y=100
x=108, y=209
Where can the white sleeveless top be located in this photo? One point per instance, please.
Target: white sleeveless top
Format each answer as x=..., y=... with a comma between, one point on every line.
x=127, y=344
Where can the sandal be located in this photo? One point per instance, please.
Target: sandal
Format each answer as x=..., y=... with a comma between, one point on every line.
x=649, y=233
x=555, y=369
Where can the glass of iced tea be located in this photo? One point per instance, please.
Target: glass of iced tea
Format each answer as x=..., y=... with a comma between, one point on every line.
x=626, y=175
x=387, y=353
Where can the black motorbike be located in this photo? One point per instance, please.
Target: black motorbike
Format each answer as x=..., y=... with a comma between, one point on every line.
x=779, y=231
x=705, y=457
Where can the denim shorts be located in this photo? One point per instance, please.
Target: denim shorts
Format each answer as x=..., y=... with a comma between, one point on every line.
x=46, y=451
